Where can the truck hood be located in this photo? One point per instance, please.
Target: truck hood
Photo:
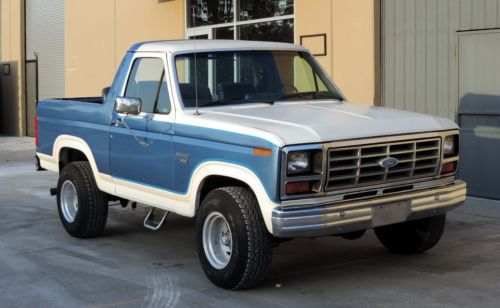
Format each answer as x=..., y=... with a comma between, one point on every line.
x=300, y=122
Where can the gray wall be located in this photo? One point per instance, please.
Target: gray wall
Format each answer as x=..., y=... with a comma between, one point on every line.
x=420, y=50
x=479, y=119
x=45, y=35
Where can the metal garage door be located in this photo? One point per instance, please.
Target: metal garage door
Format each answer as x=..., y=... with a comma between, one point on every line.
x=479, y=92
x=419, y=50
x=45, y=36
x=429, y=64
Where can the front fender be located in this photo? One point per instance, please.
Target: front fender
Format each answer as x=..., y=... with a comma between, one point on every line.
x=236, y=172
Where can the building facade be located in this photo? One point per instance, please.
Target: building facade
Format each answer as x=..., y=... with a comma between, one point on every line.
x=397, y=53
x=78, y=44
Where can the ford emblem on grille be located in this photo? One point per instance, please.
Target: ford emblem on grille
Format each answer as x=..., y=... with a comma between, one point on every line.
x=388, y=162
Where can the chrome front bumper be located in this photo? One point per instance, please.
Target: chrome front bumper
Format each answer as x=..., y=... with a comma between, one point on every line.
x=350, y=216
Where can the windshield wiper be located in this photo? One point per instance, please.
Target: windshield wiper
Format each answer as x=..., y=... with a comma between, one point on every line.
x=313, y=94
x=328, y=95
x=272, y=101
x=296, y=95
x=228, y=101
x=221, y=102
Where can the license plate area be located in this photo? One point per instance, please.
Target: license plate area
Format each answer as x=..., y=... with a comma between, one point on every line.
x=390, y=213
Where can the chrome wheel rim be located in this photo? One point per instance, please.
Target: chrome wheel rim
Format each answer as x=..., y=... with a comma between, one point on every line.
x=217, y=240
x=69, y=201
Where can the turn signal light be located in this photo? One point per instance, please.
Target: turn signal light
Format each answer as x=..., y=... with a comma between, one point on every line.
x=262, y=152
x=295, y=188
x=449, y=167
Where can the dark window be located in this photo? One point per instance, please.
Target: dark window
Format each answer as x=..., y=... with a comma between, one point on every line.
x=273, y=31
x=144, y=83
x=256, y=9
x=163, y=103
x=199, y=37
x=201, y=70
x=225, y=33
x=209, y=12
x=241, y=77
x=227, y=16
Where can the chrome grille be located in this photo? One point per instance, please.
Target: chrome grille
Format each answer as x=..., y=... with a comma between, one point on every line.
x=359, y=165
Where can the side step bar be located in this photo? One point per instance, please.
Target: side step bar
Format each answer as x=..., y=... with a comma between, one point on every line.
x=150, y=222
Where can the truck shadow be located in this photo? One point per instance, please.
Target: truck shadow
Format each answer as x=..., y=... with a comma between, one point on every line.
x=324, y=263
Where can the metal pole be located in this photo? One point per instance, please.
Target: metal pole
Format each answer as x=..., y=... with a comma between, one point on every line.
x=36, y=77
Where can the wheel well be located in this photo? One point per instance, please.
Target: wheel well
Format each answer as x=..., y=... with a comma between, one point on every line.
x=216, y=181
x=68, y=155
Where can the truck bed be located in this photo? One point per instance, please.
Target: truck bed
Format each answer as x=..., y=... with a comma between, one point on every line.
x=85, y=117
x=92, y=100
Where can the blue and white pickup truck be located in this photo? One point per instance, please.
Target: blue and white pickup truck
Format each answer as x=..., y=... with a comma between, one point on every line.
x=256, y=141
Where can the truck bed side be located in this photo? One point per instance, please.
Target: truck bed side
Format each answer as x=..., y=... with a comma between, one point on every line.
x=83, y=118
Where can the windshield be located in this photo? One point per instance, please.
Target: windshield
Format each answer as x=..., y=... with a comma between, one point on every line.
x=242, y=77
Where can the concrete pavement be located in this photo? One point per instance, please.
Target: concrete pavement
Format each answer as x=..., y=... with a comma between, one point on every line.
x=41, y=265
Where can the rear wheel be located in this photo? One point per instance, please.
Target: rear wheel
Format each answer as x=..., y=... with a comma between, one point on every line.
x=82, y=207
x=234, y=247
x=412, y=237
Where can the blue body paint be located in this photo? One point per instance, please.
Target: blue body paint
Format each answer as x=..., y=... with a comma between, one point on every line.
x=156, y=165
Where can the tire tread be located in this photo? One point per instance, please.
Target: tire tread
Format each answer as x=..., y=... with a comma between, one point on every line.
x=97, y=203
x=258, y=241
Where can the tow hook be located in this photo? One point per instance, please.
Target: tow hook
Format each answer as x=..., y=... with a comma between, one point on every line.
x=53, y=191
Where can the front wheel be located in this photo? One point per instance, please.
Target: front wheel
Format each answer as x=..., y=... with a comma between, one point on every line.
x=234, y=247
x=412, y=237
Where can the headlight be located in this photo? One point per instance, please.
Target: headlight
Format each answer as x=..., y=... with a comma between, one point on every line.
x=302, y=170
x=298, y=162
x=449, y=145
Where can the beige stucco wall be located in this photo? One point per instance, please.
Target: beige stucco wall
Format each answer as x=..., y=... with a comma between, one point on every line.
x=99, y=32
x=12, y=46
x=351, y=42
x=89, y=42
x=95, y=46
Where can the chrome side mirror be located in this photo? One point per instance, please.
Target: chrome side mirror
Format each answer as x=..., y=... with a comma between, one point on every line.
x=128, y=105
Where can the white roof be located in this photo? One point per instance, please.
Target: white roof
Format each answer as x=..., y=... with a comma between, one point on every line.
x=206, y=45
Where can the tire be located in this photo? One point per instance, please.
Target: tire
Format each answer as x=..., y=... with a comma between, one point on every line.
x=250, y=243
x=88, y=218
x=412, y=237
x=356, y=235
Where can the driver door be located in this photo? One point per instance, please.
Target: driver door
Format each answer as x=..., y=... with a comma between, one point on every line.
x=137, y=155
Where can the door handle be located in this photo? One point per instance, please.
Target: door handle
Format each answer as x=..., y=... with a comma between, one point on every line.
x=117, y=123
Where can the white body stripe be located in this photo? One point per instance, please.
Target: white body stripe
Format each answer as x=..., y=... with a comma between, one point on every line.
x=185, y=118
x=182, y=204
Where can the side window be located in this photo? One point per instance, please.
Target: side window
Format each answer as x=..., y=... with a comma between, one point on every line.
x=163, y=102
x=304, y=76
x=144, y=82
